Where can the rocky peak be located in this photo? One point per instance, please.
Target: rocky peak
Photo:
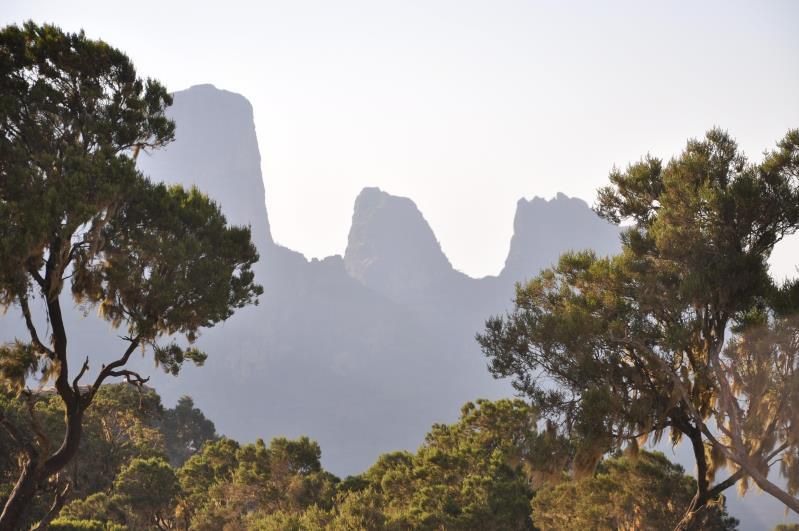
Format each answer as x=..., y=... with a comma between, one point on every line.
x=391, y=247
x=541, y=229
x=216, y=149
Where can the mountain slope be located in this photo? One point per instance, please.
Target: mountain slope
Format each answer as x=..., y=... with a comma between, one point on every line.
x=361, y=352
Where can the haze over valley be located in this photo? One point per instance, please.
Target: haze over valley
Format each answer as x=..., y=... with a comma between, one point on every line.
x=362, y=351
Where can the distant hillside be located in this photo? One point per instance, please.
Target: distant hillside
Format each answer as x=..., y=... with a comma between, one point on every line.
x=362, y=352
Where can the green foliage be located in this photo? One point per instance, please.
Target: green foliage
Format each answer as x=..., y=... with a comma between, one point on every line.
x=641, y=492
x=119, y=426
x=214, y=465
x=71, y=110
x=470, y=475
x=147, y=489
x=185, y=431
x=98, y=506
x=479, y=473
x=158, y=261
x=312, y=519
x=170, y=265
x=360, y=510
x=228, y=484
x=67, y=524
x=278, y=521
x=612, y=348
x=18, y=361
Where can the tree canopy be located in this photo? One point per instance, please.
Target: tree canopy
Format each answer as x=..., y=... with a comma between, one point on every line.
x=185, y=430
x=641, y=491
x=492, y=469
x=157, y=261
x=626, y=348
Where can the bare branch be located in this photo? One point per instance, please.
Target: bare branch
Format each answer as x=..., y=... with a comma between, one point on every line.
x=720, y=487
x=109, y=369
x=760, y=479
x=26, y=312
x=131, y=376
x=83, y=370
x=34, y=273
x=776, y=452
x=729, y=404
x=55, y=508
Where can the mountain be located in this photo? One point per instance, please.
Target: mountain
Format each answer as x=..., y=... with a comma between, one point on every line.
x=544, y=229
x=217, y=151
x=362, y=352
x=392, y=250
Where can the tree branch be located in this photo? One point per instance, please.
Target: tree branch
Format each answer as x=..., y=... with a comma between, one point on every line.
x=109, y=369
x=83, y=369
x=34, y=273
x=55, y=508
x=131, y=376
x=41, y=437
x=51, y=289
x=15, y=435
x=26, y=312
x=776, y=452
x=718, y=488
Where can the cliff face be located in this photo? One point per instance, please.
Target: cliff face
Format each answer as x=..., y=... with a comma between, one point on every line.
x=361, y=352
x=542, y=230
x=392, y=250
x=215, y=149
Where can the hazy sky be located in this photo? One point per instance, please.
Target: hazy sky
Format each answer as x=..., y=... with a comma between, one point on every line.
x=463, y=106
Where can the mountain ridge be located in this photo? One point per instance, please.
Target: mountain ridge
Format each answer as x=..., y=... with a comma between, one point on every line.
x=361, y=351
x=391, y=304
x=370, y=366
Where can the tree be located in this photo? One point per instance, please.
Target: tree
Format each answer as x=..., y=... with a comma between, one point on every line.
x=758, y=397
x=474, y=474
x=628, y=347
x=159, y=261
x=143, y=496
x=227, y=484
x=99, y=507
x=185, y=430
x=147, y=489
x=644, y=491
x=118, y=427
x=213, y=465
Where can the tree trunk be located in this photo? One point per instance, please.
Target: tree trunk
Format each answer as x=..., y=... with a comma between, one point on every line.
x=701, y=497
x=55, y=509
x=21, y=497
x=34, y=472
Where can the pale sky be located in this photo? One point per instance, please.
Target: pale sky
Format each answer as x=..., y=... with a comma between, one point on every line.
x=463, y=106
